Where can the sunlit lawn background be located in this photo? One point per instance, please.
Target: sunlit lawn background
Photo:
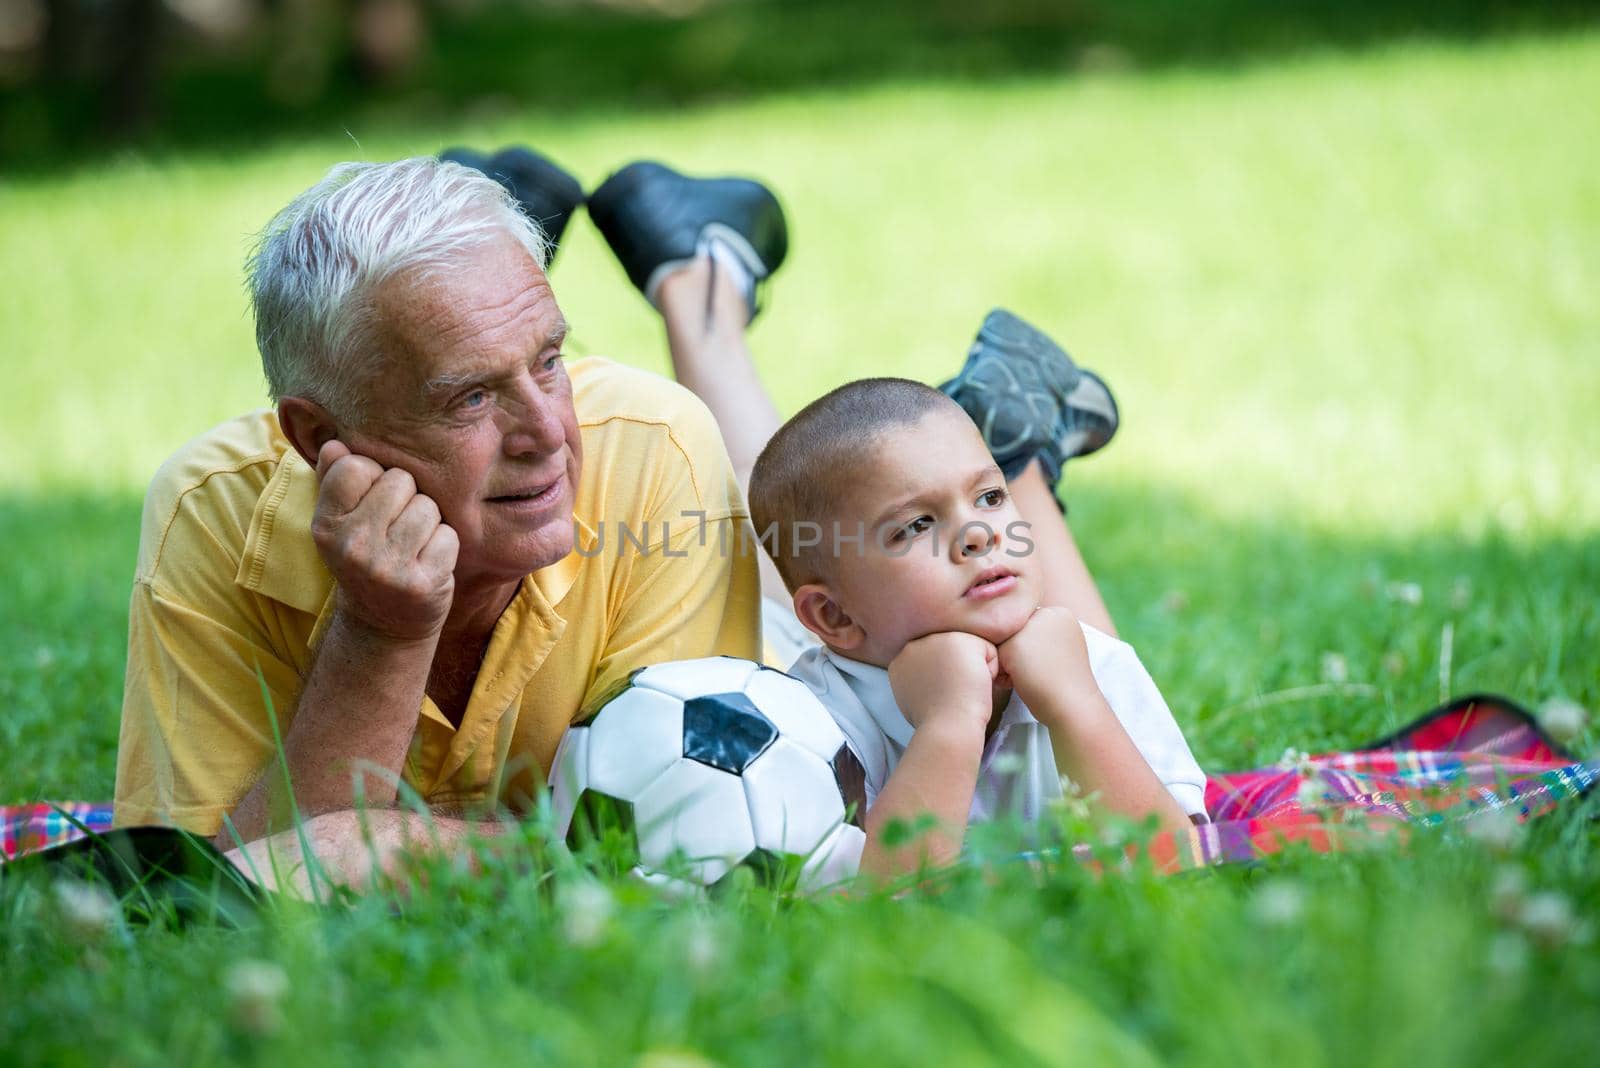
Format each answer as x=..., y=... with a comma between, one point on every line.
x=1350, y=305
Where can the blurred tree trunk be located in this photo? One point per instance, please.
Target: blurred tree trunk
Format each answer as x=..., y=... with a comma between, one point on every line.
x=135, y=63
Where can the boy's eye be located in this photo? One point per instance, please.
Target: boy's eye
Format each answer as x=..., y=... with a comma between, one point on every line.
x=993, y=498
x=916, y=526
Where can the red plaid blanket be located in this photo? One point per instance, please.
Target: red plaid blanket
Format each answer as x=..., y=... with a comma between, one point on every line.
x=1472, y=757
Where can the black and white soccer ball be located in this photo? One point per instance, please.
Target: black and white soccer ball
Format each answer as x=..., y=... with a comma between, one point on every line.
x=706, y=766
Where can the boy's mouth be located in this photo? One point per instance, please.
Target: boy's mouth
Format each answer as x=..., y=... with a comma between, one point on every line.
x=991, y=583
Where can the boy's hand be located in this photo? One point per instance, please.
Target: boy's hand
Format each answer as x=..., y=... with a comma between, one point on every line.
x=945, y=677
x=1048, y=658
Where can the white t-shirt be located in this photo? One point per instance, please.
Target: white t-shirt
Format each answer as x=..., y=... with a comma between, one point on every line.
x=1017, y=774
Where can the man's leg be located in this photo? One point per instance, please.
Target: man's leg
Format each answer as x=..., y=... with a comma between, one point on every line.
x=1067, y=581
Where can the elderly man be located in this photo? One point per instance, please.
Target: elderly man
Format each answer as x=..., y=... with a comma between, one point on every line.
x=411, y=570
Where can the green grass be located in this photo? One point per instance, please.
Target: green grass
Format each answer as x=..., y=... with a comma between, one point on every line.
x=1348, y=307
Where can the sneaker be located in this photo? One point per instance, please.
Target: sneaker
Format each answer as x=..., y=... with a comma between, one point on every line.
x=658, y=221
x=1029, y=399
x=547, y=194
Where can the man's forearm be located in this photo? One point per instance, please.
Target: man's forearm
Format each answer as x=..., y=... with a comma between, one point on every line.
x=1094, y=751
x=357, y=711
x=354, y=849
x=936, y=778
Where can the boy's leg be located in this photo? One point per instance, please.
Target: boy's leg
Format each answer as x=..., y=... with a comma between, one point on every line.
x=1037, y=409
x=1067, y=581
x=697, y=248
x=705, y=315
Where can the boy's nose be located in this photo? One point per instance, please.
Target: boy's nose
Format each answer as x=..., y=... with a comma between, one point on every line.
x=975, y=539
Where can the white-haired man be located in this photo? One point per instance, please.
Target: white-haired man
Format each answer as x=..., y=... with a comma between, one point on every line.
x=412, y=570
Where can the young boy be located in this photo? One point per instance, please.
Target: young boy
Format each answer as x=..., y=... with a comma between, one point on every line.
x=964, y=693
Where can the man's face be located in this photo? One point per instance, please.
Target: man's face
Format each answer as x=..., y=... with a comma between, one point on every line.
x=944, y=547
x=473, y=400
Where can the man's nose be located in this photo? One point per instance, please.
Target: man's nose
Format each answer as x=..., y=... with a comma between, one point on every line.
x=535, y=425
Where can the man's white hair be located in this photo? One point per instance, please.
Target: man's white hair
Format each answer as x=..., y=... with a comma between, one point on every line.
x=320, y=261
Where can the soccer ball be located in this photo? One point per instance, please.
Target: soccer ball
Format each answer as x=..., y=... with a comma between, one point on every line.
x=705, y=766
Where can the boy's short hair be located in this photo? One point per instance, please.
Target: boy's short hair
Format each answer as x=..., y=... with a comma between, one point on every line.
x=804, y=471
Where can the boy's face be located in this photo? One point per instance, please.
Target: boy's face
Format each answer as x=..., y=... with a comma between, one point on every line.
x=945, y=548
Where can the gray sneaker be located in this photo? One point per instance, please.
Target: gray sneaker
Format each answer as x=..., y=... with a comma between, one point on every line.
x=1029, y=399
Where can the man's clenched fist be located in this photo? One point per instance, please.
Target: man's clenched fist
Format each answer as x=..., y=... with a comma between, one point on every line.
x=392, y=555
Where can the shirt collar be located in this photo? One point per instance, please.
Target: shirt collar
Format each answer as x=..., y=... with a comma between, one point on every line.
x=870, y=685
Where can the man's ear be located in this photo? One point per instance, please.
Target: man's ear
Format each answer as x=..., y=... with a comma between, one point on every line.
x=822, y=616
x=307, y=425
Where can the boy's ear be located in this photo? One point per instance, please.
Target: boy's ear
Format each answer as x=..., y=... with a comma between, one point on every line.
x=822, y=616
x=308, y=426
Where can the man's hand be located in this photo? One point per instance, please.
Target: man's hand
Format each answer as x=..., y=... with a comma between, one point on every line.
x=392, y=556
x=1048, y=658
x=945, y=677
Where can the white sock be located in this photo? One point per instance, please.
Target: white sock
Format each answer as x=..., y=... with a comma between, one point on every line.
x=731, y=264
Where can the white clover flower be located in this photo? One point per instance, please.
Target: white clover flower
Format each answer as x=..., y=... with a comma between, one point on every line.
x=1563, y=720
x=702, y=951
x=1496, y=830
x=1404, y=593
x=1508, y=955
x=1507, y=893
x=255, y=996
x=1296, y=761
x=1547, y=917
x=1311, y=793
x=88, y=911
x=586, y=909
x=1335, y=668
x=1279, y=903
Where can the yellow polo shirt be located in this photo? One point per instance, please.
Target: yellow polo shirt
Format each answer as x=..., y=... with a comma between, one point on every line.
x=229, y=582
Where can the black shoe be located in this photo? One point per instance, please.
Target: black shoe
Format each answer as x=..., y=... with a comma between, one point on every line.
x=657, y=220
x=1029, y=399
x=547, y=194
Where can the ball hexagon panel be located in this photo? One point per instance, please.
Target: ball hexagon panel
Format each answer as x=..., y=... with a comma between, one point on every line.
x=725, y=731
x=793, y=802
x=795, y=711
x=698, y=813
x=836, y=860
x=684, y=679
x=639, y=737
x=569, y=773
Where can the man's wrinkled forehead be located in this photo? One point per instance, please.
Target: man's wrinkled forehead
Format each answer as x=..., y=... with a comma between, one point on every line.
x=492, y=304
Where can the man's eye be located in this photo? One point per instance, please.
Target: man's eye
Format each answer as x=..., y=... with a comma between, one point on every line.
x=475, y=399
x=551, y=361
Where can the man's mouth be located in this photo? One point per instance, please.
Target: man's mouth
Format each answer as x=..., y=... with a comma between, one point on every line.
x=992, y=583
x=541, y=493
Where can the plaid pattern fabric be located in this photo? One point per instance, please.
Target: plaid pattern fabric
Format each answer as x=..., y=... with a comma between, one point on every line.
x=1466, y=760
x=29, y=828
x=1473, y=756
